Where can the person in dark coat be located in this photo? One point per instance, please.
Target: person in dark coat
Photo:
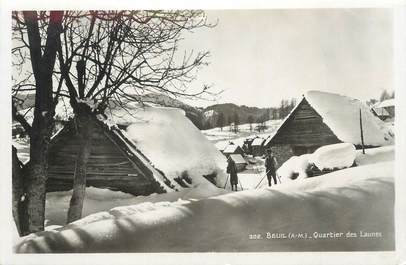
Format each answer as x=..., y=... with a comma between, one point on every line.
x=232, y=170
x=270, y=167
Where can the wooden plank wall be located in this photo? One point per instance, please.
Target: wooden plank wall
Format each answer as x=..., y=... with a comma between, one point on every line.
x=108, y=167
x=305, y=127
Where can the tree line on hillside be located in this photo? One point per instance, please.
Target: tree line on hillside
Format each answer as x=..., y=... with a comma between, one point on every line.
x=232, y=120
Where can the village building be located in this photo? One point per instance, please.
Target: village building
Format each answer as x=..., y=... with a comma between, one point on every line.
x=385, y=110
x=247, y=145
x=239, y=162
x=222, y=145
x=151, y=150
x=233, y=149
x=257, y=147
x=322, y=118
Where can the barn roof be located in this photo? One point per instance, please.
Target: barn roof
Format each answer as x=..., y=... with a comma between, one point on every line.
x=341, y=115
x=257, y=141
x=238, y=159
x=381, y=111
x=386, y=103
x=114, y=136
x=222, y=145
x=231, y=148
x=171, y=142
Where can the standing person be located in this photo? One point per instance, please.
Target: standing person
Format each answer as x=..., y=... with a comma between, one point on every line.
x=232, y=170
x=270, y=166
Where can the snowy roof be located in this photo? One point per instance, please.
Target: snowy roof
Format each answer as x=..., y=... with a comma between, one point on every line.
x=386, y=103
x=238, y=159
x=221, y=145
x=171, y=142
x=341, y=115
x=381, y=111
x=257, y=141
x=231, y=148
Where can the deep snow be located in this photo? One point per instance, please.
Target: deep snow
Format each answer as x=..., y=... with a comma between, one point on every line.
x=336, y=202
x=334, y=156
x=326, y=157
x=98, y=200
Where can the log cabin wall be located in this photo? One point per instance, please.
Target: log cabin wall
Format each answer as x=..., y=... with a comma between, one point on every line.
x=303, y=132
x=282, y=153
x=108, y=166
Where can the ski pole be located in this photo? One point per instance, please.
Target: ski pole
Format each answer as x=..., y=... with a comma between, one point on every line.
x=262, y=179
x=226, y=181
x=241, y=185
x=280, y=182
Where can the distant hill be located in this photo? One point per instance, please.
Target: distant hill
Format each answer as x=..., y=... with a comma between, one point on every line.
x=202, y=118
x=194, y=114
x=228, y=109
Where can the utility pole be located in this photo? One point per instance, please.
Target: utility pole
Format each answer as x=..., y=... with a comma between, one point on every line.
x=362, y=132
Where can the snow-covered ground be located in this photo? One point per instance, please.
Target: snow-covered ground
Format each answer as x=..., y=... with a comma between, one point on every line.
x=216, y=135
x=98, y=200
x=335, y=156
x=23, y=148
x=324, y=210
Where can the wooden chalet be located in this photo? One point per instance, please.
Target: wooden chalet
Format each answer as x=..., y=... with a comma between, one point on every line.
x=239, y=161
x=114, y=162
x=257, y=147
x=233, y=149
x=385, y=110
x=324, y=118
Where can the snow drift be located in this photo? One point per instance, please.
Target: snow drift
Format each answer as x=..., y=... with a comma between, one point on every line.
x=294, y=165
x=339, y=202
x=98, y=200
x=334, y=156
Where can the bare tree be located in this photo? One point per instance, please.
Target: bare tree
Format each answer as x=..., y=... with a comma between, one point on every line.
x=41, y=43
x=250, y=121
x=105, y=56
x=221, y=120
x=236, y=120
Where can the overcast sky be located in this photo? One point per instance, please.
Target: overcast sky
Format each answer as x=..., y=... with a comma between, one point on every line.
x=261, y=56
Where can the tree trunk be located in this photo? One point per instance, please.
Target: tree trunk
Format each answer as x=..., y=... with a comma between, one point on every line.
x=84, y=125
x=17, y=191
x=42, y=61
x=36, y=172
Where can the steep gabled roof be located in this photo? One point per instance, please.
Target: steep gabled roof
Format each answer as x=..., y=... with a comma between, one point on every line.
x=231, y=148
x=238, y=159
x=386, y=103
x=258, y=141
x=171, y=142
x=342, y=115
x=114, y=136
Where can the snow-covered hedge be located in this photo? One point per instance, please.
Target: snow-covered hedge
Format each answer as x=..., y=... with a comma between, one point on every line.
x=334, y=156
x=295, y=166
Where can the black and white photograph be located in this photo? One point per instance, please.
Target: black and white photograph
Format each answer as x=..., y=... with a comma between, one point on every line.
x=261, y=130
